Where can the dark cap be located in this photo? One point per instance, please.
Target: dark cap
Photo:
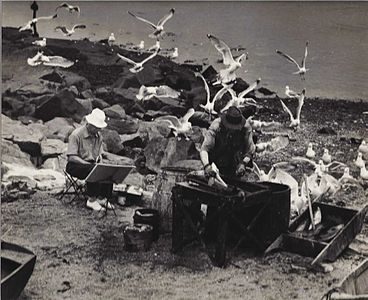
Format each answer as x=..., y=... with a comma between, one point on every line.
x=233, y=118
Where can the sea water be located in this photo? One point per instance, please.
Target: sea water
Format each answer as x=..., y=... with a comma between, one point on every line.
x=337, y=33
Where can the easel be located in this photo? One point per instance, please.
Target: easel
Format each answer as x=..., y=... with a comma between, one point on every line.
x=107, y=173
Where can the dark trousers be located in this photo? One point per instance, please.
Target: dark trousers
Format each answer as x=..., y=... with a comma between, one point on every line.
x=94, y=189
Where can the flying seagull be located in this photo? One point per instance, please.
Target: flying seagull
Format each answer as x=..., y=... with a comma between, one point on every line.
x=240, y=100
x=69, y=32
x=159, y=28
x=180, y=126
x=301, y=69
x=69, y=7
x=227, y=75
x=295, y=121
x=137, y=67
x=28, y=26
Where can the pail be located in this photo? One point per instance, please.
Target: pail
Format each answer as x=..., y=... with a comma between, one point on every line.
x=148, y=216
x=138, y=237
x=161, y=199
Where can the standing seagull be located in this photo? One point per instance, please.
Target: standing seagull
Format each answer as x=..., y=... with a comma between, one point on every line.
x=159, y=28
x=70, y=8
x=111, y=39
x=227, y=75
x=40, y=43
x=295, y=121
x=69, y=32
x=301, y=69
x=290, y=93
x=138, y=66
x=310, y=152
x=29, y=25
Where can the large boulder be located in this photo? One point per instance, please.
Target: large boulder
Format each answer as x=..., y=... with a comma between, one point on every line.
x=28, y=139
x=11, y=153
x=123, y=126
x=52, y=148
x=126, y=80
x=111, y=140
x=60, y=128
x=115, y=112
x=56, y=163
x=62, y=104
x=80, y=82
x=124, y=97
x=86, y=103
x=99, y=103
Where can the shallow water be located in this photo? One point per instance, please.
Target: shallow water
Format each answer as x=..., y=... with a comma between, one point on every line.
x=337, y=31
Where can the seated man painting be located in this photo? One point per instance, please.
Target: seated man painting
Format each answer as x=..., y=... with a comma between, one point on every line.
x=84, y=151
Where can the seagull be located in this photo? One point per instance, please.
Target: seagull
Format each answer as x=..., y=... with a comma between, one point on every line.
x=36, y=60
x=111, y=39
x=320, y=168
x=175, y=54
x=162, y=91
x=258, y=125
x=228, y=74
x=28, y=26
x=363, y=148
x=346, y=177
x=209, y=107
x=159, y=28
x=359, y=162
x=301, y=69
x=310, y=152
x=290, y=93
x=137, y=67
x=56, y=61
x=326, y=157
x=40, y=43
x=69, y=32
x=155, y=46
x=70, y=8
x=146, y=92
x=240, y=100
x=363, y=173
x=295, y=122
x=180, y=126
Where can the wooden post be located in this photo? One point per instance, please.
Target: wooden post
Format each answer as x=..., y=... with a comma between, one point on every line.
x=34, y=7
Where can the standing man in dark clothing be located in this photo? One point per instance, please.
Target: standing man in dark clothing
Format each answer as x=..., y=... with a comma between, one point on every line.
x=84, y=151
x=229, y=144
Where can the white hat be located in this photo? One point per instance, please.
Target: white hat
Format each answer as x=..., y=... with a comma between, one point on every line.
x=97, y=118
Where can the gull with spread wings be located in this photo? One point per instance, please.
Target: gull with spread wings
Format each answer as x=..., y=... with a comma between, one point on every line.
x=159, y=28
x=69, y=7
x=69, y=32
x=137, y=67
x=295, y=121
x=301, y=69
x=226, y=75
x=180, y=126
x=28, y=26
x=240, y=100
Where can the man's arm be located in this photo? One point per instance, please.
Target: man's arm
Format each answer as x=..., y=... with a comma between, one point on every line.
x=77, y=159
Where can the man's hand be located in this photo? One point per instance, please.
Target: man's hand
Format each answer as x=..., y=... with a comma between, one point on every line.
x=209, y=171
x=240, y=170
x=248, y=162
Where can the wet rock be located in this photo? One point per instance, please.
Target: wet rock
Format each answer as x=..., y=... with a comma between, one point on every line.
x=28, y=139
x=52, y=147
x=11, y=153
x=86, y=103
x=60, y=128
x=326, y=130
x=123, y=126
x=115, y=112
x=112, y=141
x=99, y=103
x=62, y=104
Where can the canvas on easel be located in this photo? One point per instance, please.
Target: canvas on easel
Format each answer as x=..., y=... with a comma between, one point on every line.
x=109, y=173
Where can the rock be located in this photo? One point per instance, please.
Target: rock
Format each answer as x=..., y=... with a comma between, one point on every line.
x=117, y=159
x=52, y=147
x=37, y=101
x=102, y=92
x=11, y=153
x=53, y=77
x=150, y=130
x=60, y=128
x=34, y=89
x=14, y=108
x=99, y=103
x=210, y=73
x=87, y=94
x=161, y=152
x=115, y=112
x=74, y=90
x=26, y=120
x=191, y=164
x=132, y=140
x=28, y=139
x=112, y=141
x=151, y=75
x=62, y=104
x=134, y=178
x=71, y=78
x=86, y=103
x=127, y=80
x=326, y=130
x=125, y=97
x=123, y=126
x=56, y=163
